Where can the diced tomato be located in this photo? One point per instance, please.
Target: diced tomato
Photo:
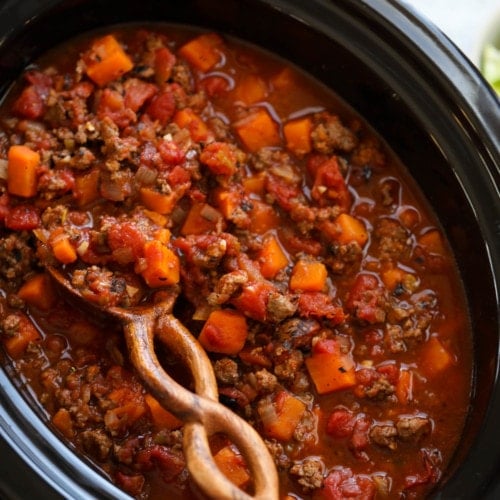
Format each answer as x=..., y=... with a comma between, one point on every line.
x=359, y=439
x=170, y=153
x=178, y=92
x=126, y=236
x=329, y=184
x=149, y=155
x=111, y=104
x=61, y=180
x=341, y=423
x=314, y=162
x=194, y=246
x=390, y=371
x=366, y=299
x=341, y=484
x=29, y=104
x=162, y=107
x=170, y=464
x=215, y=85
x=219, y=157
x=138, y=92
x=283, y=191
x=319, y=304
x=178, y=175
x=22, y=218
x=82, y=90
x=296, y=243
x=326, y=346
x=253, y=300
x=366, y=376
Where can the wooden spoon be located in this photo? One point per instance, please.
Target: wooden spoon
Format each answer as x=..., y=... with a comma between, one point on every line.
x=201, y=412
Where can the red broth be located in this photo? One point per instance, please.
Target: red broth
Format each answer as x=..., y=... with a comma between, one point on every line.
x=311, y=269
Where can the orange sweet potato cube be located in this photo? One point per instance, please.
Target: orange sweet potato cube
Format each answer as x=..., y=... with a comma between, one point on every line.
x=298, y=136
x=162, y=418
x=225, y=331
x=350, y=229
x=162, y=266
x=251, y=89
x=331, y=371
x=308, y=276
x=258, y=130
x=436, y=358
x=202, y=52
x=107, y=61
x=288, y=412
x=272, y=258
x=38, y=291
x=233, y=466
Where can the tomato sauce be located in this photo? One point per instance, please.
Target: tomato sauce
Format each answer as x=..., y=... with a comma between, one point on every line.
x=161, y=160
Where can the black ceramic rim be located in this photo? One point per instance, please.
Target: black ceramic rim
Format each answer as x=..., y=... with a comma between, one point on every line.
x=408, y=39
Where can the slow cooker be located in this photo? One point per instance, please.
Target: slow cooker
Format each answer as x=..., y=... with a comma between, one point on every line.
x=412, y=85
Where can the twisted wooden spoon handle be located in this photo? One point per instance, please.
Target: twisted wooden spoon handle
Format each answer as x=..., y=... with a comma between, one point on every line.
x=202, y=413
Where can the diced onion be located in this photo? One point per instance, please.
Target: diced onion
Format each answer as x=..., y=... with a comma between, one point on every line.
x=286, y=173
x=131, y=290
x=202, y=312
x=267, y=413
x=112, y=190
x=210, y=213
x=145, y=175
x=41, y=234
x=82, y=248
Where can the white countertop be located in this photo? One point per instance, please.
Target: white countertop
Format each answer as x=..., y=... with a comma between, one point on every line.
x=463, y=21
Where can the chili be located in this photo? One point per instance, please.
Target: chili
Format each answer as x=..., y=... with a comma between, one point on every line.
x=308, y=262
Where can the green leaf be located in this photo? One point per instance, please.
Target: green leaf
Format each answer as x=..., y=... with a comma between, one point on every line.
x=491, y=66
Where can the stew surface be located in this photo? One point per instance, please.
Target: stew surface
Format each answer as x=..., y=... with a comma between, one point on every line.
x=159, y=161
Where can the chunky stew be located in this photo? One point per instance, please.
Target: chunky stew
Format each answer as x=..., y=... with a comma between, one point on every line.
x=157, y=161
